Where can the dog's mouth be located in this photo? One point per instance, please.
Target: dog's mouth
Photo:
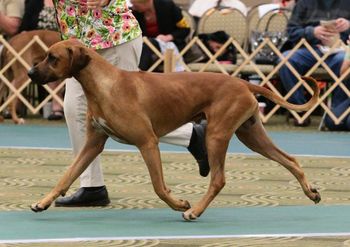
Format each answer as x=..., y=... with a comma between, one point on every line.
x=37, y=77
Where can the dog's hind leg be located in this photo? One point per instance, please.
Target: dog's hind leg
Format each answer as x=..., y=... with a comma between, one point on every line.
x=17, y=83
x=224, y=117
x=217, y=142
x=151, y=155
x=253, y=135
x=94, y=145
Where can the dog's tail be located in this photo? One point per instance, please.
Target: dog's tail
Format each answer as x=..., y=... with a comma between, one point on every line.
x=282, y=102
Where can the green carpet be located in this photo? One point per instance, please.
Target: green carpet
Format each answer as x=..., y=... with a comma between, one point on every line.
x=162, y=223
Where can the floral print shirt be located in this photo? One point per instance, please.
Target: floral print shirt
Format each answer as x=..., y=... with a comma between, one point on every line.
x=112, y=25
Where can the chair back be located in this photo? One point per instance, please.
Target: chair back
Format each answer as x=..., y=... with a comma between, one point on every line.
x=232, y=21
x=191, y=22
x=275, y=20
x=253, y=17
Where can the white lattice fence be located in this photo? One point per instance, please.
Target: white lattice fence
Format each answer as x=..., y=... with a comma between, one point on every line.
x=246, y=66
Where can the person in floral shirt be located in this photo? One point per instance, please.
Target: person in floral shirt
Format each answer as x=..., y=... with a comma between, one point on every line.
x=109, y=27
x=97, y=28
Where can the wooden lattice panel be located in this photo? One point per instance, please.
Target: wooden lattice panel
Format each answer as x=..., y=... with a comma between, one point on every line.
x=17, y=92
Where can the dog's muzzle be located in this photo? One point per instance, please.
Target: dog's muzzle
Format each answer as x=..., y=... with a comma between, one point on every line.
x=33, y=74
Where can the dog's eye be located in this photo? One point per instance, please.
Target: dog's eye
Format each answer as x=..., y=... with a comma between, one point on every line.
x=51, y=58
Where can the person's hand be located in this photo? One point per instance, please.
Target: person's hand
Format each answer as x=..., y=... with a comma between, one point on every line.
x=165, y=38
x=342, y=25
x=94, y=4
x=323, y=34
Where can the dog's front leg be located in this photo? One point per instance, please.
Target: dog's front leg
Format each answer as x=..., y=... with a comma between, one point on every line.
x=151, y=155
x=93, y=146
x=17, y=83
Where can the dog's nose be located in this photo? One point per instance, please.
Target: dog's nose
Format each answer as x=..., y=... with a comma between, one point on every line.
x=32, y=72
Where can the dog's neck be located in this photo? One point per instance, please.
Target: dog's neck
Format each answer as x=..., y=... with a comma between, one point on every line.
x=93, y=77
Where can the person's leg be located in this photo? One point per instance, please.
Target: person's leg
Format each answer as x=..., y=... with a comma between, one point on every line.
x=191, y=136
x=302, y=60
x=334, y=62
x=75, y=106
x=92, y=191
x=347, y=123
x=180, y=136
x=338, y=111
x=340, y=100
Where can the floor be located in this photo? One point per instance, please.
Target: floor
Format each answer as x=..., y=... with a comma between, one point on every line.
x=261, y=204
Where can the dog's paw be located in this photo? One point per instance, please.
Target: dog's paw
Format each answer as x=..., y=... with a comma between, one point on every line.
x=316, y=196
x=183, y=206
x=189, y=216
x=20, y=121
x=35, y=208
x=186, y=203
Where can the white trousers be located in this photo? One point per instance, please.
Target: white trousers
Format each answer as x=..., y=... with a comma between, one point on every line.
x=125, y=56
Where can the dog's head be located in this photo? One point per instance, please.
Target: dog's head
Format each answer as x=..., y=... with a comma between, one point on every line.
x=63, y=60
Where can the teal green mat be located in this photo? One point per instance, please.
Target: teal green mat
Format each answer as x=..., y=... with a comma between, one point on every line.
x=302, y=143
x=165, y=223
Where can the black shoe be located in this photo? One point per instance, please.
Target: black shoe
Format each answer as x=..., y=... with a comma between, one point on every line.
x=85, y=197
x=198, y=149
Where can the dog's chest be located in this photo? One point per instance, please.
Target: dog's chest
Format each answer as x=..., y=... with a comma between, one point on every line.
x=101, y=125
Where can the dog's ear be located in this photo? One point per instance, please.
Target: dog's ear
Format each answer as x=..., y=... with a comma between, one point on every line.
x=78, y=59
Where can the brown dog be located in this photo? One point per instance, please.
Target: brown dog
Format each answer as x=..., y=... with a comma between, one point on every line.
x=17, y=73
x=140, y=107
